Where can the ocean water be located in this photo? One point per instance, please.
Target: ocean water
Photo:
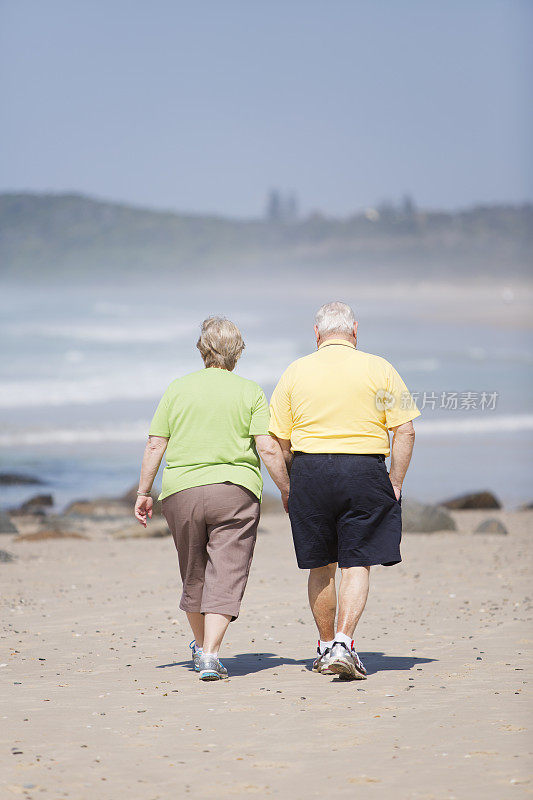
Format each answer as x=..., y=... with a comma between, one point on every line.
x=83, y=368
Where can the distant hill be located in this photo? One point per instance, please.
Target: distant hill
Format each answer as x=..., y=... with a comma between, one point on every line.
x=53, y=235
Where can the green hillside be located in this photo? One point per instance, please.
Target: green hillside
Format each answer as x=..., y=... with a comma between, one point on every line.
x=45, y=235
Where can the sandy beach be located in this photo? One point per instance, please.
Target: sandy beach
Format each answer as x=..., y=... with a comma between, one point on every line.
x=99, y=699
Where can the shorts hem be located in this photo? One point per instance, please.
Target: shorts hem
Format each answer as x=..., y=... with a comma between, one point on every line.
x=370, y=563
x=191, y=608
x=231, y=612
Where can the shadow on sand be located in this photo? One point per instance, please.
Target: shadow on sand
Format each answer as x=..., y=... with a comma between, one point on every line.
x=248, y=663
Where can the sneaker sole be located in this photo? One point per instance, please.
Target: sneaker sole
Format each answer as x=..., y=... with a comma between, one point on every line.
x=345, y=669
x=210, y=675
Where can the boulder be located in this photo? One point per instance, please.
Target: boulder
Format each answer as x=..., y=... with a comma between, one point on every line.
x=421, y=518
x=17, y=479
x=131, y=495
x=474, y=500
x=6, y=525
x=38, y=504
x=5, y=557
x=100, y=507
x=492, y=526
x=106, y=508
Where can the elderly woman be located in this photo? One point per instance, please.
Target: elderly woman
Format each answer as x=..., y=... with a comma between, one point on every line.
x=212, y=425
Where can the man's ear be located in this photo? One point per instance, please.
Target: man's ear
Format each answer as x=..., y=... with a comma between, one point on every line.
x=317, y=335
x=355, y=329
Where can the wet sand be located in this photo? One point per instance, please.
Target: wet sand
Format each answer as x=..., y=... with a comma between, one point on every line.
x=99, y=699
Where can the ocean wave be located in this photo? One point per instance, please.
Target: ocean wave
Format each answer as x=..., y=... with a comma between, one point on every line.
x=126, y=432
x=88, y=391
x=137, y=431
x=137, y=332
x=504, y=423
x=420, y=365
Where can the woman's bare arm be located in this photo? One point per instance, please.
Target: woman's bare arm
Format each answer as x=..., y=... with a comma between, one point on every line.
x=153, y=454
x=272, y=457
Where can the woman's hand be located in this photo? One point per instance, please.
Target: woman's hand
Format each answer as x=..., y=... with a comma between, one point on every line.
x=143, y=509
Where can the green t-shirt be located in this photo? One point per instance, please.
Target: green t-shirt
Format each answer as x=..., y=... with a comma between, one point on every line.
x=210, y=417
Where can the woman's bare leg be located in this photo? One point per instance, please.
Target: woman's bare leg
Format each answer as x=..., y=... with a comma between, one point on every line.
x=215, y=626
x=196, y=621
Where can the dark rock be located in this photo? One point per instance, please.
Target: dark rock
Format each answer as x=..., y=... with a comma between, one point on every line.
x=35, y=505
x=6, y=557
x=6, y=524
x=420, y=518
x=17, y=479
x=130, y=496
x=99, y=507
x=109, y=507
x=492, y=526
x=475, y=500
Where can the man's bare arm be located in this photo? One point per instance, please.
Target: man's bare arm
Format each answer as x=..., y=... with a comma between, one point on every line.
x=403, y=440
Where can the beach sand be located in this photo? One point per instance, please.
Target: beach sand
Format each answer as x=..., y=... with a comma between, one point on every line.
x=99, y=699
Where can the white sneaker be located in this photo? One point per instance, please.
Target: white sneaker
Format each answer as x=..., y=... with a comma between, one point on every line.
x=321, y=662
x=345, y=662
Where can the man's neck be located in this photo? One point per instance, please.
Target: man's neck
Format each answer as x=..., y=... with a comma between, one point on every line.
x=350, y=339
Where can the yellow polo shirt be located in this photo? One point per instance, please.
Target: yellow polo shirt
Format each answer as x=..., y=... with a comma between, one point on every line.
x=340, y=400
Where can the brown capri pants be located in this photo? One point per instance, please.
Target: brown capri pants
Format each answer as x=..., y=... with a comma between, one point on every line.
x=214, y=529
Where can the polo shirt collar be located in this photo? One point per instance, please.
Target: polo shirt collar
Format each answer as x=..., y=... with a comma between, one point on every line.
x=336, y=341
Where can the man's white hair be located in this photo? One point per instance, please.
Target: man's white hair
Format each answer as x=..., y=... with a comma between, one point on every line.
x=335, y=318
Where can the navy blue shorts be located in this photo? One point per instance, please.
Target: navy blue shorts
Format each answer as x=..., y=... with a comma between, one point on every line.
x=343, y=509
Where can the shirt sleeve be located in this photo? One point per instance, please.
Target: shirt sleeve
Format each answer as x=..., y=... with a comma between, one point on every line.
x=280, y=410
x=400, y=406
x=159, y=425
x=260, y=415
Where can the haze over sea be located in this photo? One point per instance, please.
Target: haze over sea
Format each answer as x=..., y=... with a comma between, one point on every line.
x=87, y=364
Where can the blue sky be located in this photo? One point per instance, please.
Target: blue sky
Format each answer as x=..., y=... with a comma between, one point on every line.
x=204, y=106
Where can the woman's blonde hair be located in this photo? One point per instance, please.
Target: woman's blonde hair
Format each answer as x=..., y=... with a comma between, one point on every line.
x=220, y=343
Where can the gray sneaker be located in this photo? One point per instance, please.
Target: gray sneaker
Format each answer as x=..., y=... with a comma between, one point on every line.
x=196, y=655
x=211, y=669
x=321, y=662
x=346, y=663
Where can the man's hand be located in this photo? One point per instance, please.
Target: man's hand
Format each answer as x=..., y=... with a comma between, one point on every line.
x=143, y=509
x=397, y=491
x=285, y=501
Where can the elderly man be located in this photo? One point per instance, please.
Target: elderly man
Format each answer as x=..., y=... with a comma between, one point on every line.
x=331, y=413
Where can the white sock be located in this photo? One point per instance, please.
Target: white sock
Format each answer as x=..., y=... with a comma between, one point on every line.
x=322, y=646
x=341, y=637
x=215, y=655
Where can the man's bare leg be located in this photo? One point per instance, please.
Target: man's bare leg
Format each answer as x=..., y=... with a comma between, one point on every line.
x=353, y=593
x=323, y=600
x=196, y=621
